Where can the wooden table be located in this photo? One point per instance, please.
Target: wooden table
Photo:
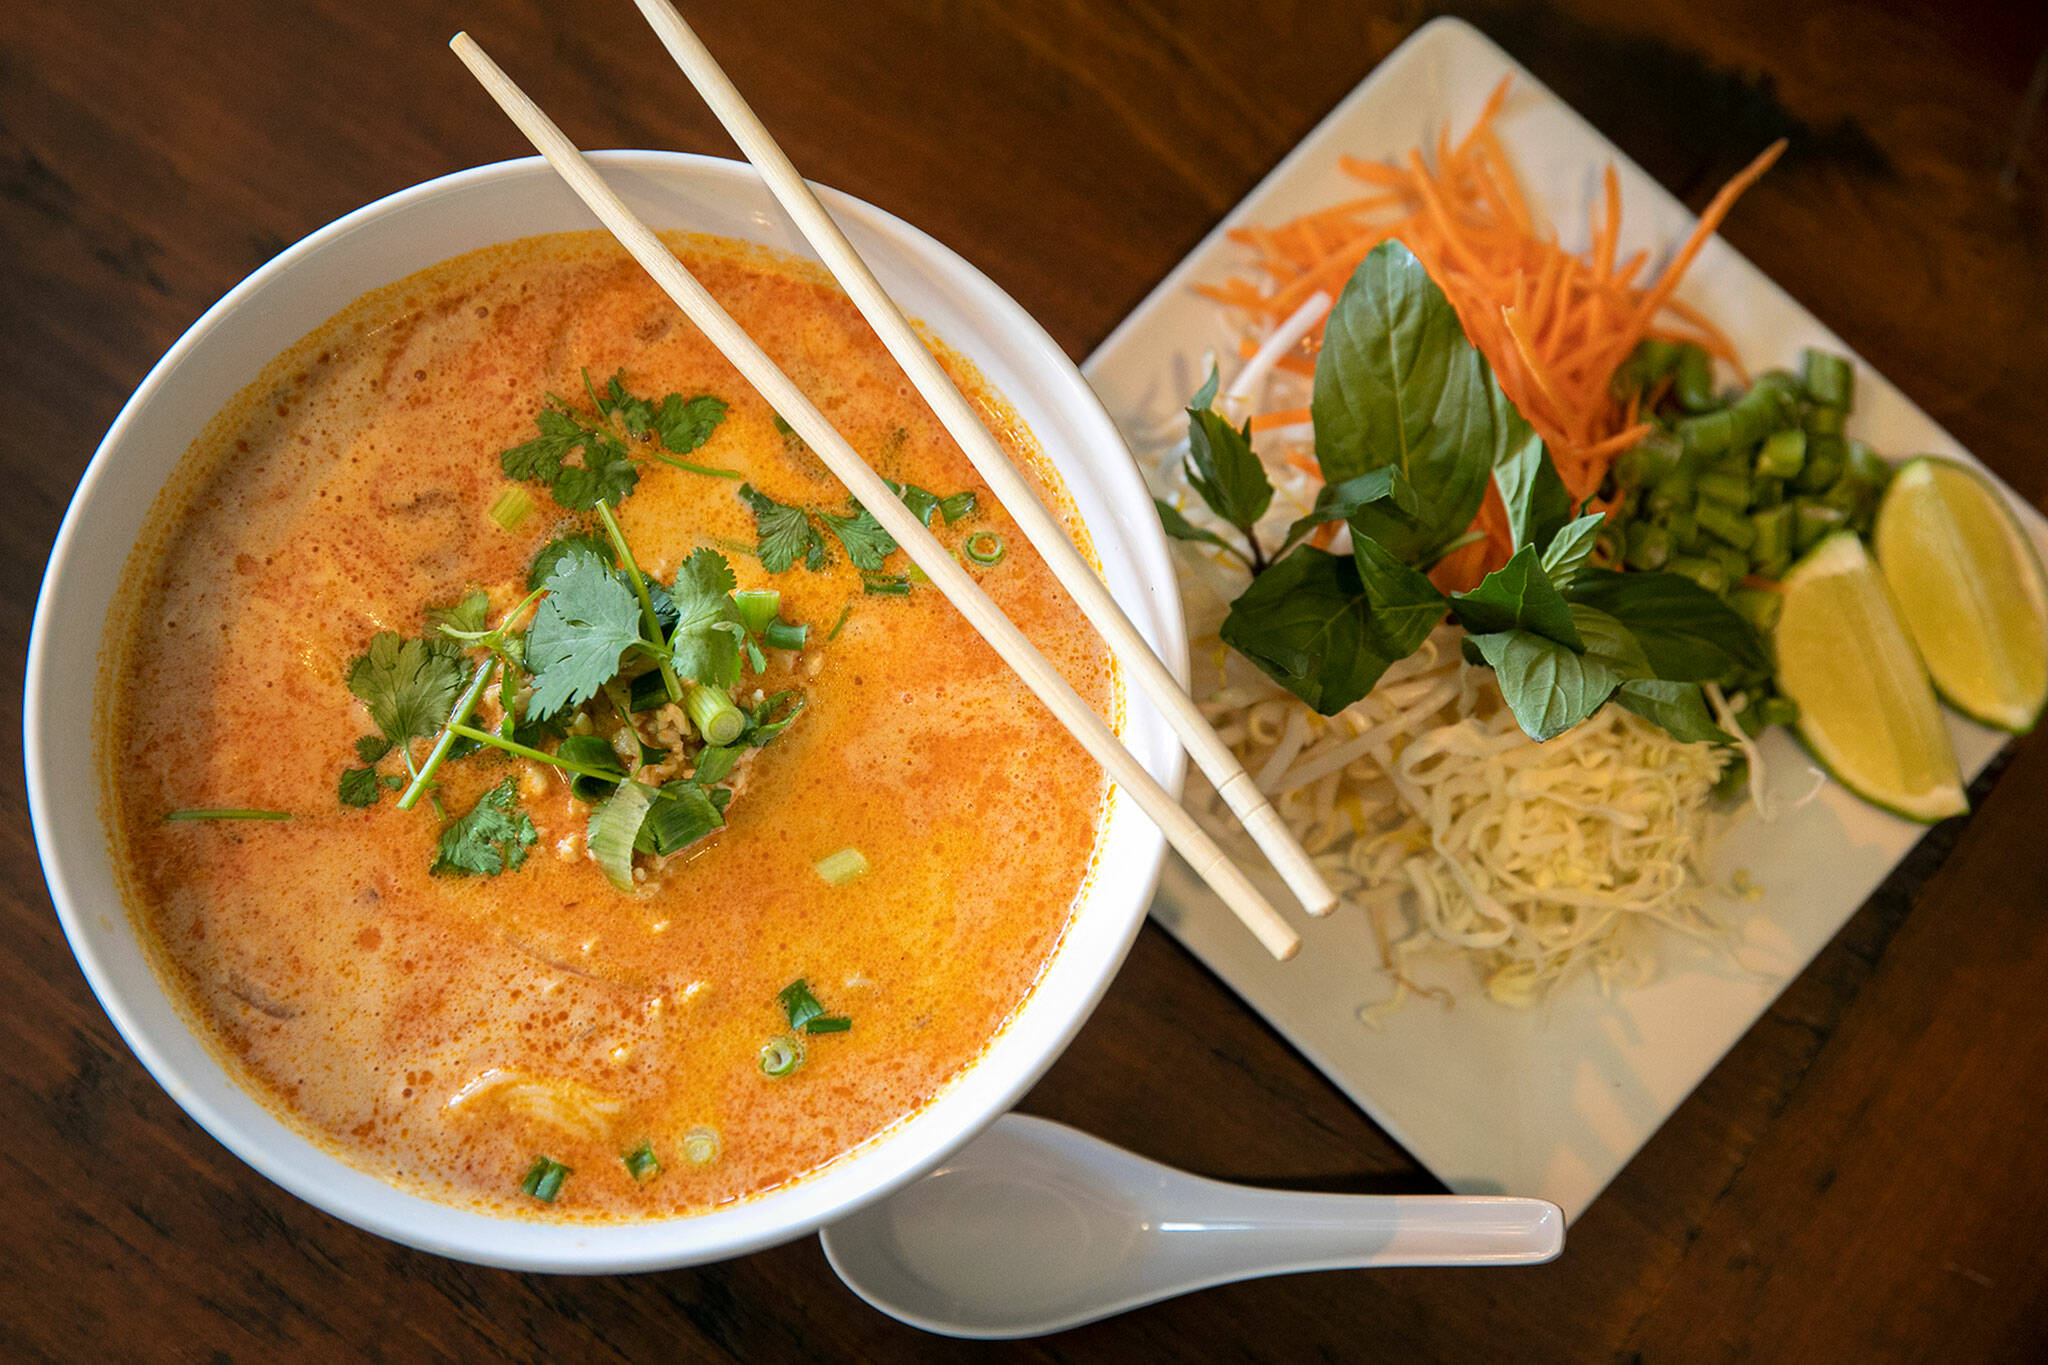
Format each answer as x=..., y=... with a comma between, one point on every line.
x=1863, y=1176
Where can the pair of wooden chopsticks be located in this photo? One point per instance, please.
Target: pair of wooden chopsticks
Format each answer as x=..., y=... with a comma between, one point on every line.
x=958, y=417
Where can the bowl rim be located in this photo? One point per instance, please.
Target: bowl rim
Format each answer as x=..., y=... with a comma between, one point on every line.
x=575, y=1247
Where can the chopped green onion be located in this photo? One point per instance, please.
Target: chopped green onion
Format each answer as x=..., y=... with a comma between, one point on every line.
x=1647, y=545
x=227, y=815
x=757, y=608
x=1783, y=455
x=842, y=867
x=1732, y=528
x=591, y=752
x=780, y=1056
x=713, y=470
x=700, y=1146
x=783, y=635
x=958, y=506
x=915, y=574
x=1759, y=606
x=1830, y=381
x=641, y=1163
x=984, y=547
x=840, y=624
x=511, y=507
x=1826, y=421
x=884, y=585
x=714, y=715
x=614, y=826
x=1692, y=383
x=829, y=1023
x=544, y=1179
x=799, y=1004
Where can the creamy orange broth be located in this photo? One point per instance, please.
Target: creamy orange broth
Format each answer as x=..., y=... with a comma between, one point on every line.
x=442, y=1032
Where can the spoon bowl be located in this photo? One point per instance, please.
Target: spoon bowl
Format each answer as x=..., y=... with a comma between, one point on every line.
x=1035, y=1227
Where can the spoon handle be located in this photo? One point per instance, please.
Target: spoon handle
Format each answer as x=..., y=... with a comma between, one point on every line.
x=1289, y=1232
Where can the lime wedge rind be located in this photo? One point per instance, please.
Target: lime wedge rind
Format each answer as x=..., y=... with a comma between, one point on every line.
x=1867, y=711
x=1951, y=586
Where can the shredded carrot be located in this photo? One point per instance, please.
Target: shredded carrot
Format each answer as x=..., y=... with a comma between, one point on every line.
x=1285, y=417
x=1554, y=325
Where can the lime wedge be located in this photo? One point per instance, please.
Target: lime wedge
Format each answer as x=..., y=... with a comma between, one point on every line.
x=1865, y=706
x=1969, y=591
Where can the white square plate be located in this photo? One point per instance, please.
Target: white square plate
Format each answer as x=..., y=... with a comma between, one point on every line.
x=1551, y=1101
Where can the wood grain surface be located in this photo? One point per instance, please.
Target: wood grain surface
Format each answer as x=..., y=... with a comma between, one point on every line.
x=1861, y=1178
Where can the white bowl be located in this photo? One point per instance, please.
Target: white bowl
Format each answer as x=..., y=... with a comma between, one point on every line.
x=289, y=297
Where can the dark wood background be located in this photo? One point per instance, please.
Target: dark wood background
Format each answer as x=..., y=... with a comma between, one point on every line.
x=1863, y=1176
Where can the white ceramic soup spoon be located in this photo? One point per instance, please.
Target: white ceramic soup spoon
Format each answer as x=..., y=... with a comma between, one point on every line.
x=1034, y=1227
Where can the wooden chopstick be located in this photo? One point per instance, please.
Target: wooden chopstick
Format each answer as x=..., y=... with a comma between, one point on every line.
x=1188, y=838
x=1236, y=786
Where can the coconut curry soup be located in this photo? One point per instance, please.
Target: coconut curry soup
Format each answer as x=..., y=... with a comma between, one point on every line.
x=541, y=783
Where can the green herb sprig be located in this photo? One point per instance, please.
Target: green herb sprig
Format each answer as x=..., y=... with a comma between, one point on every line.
x=1409, y=427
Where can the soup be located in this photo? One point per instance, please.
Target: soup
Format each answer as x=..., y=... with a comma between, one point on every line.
x=814, y=844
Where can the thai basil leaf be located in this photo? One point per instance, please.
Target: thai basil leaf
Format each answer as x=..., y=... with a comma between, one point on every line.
x=1304, y=622
x=1537, y=503
x=1571, y=547
x=1518, y=596
x=1405, y=605
x=1398, y=384
x=1548, y=687
x=1223, y=469
x=1385, y=488
x=1609, y=641
x=1677, y=706
x=1180, y=528
x=1688, y=633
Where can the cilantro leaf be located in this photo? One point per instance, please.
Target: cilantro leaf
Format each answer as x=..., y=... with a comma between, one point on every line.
x=360, y=787
x=410, y=686
x=635, y=414
x=606, y=473
x=705, y=643
x=470, y=616
x=585, y=623
x=685, y=425
x=492, y=838
x=786, y=534
x=867, y=544
x=563, y=547
x=370, y=748
x=1518, y=596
